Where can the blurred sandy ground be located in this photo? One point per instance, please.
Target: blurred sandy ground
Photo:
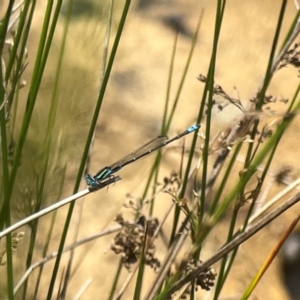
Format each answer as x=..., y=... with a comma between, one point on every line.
x=133, y=108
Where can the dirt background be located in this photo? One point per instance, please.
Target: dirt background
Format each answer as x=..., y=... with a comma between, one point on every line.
x=132, y=113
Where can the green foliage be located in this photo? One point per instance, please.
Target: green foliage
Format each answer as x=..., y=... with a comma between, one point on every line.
x=37, y=142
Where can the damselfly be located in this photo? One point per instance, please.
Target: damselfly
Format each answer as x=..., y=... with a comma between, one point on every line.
x=146, y=149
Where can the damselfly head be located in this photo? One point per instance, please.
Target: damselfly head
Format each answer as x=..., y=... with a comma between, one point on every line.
x=90, y=180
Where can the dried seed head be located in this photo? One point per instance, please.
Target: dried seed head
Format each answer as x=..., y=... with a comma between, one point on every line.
x=172, y=183
x=205, y=279
x=132, y=203
x=291, y=57
x=130, y=240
